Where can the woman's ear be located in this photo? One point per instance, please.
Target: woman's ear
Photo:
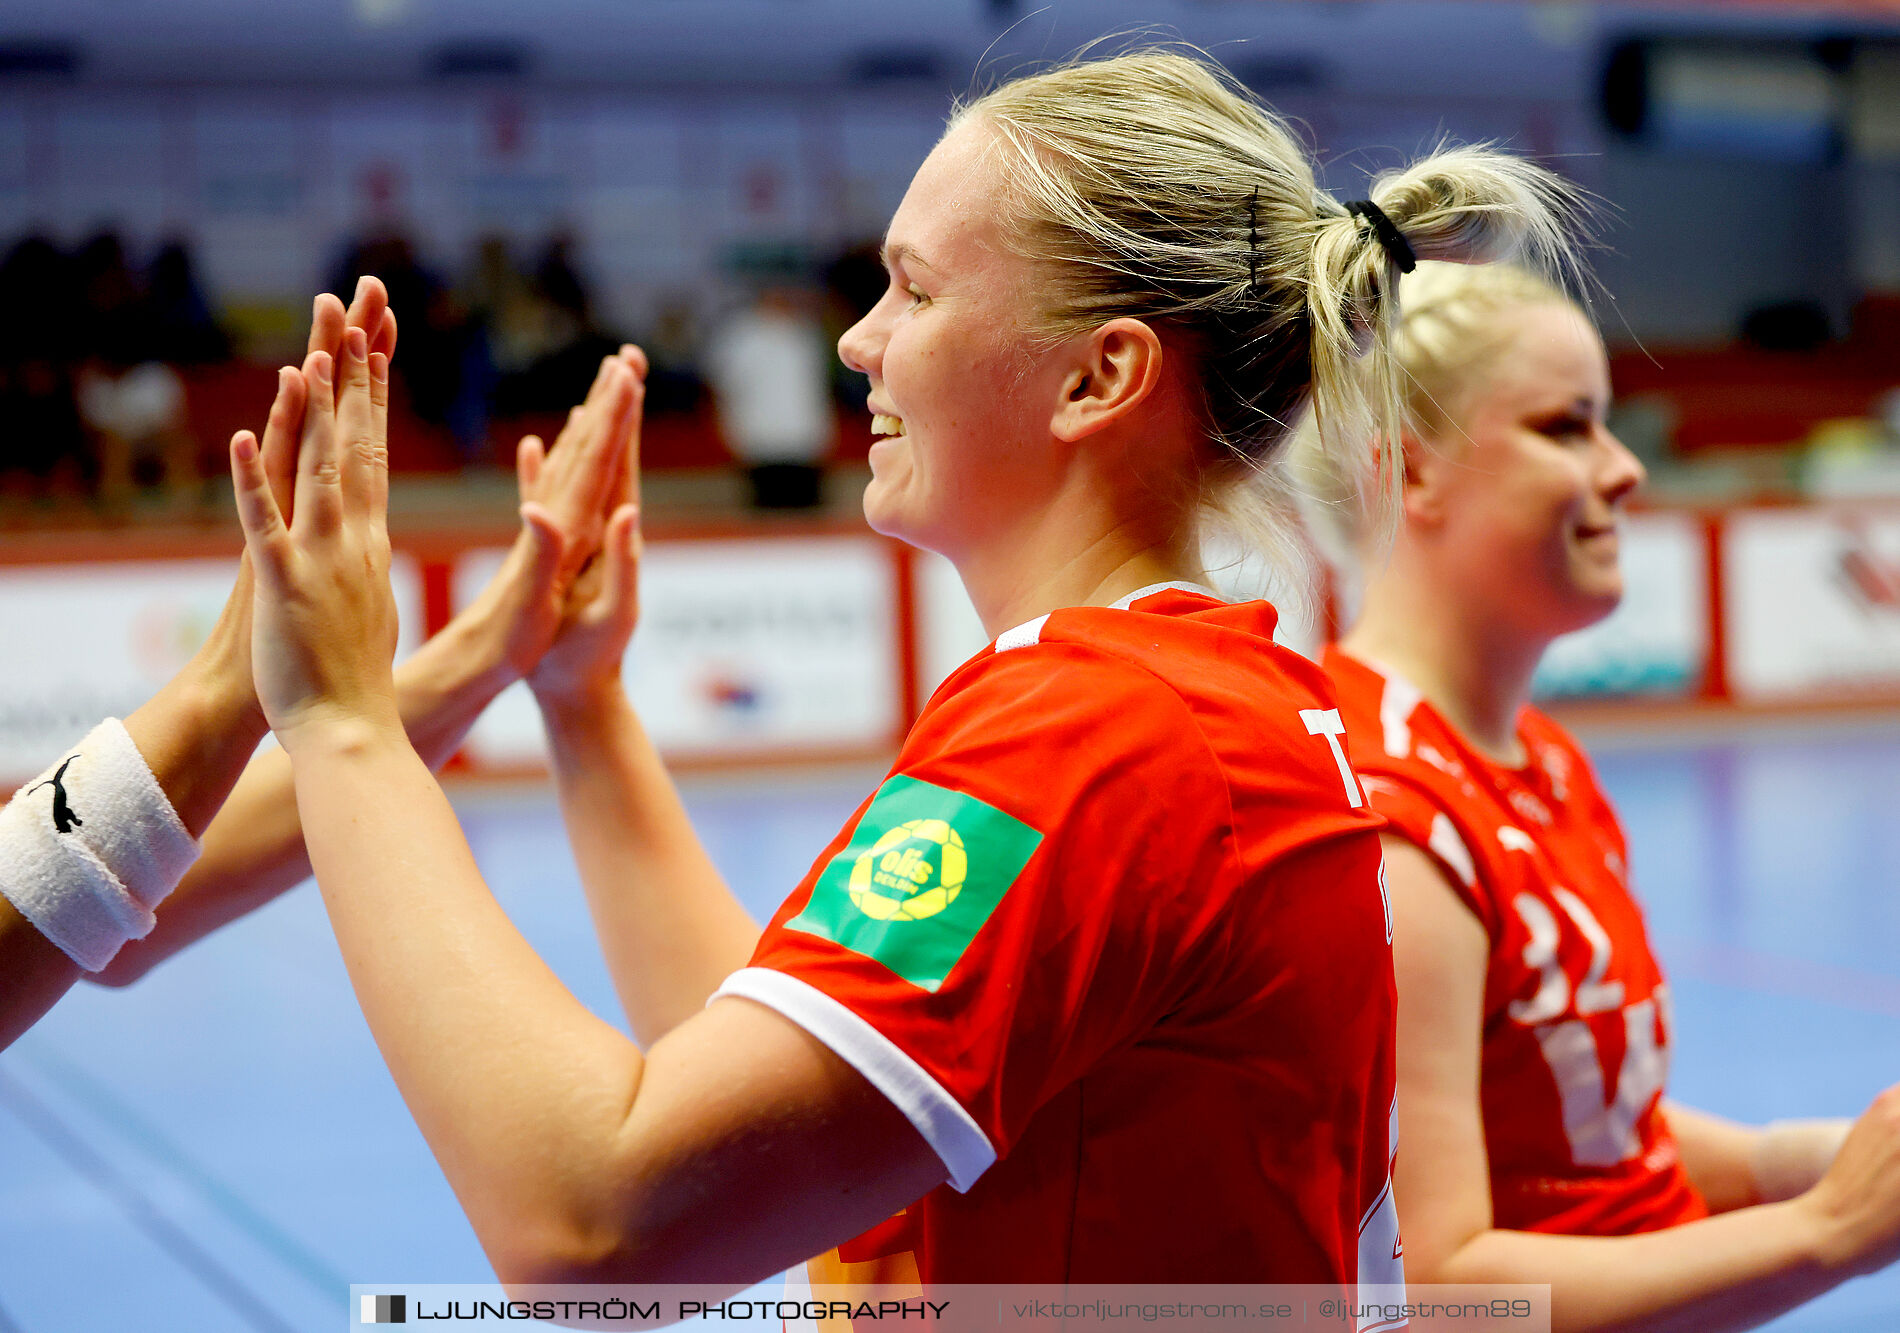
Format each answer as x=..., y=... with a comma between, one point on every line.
x=1425, y=474
x=1115, y=369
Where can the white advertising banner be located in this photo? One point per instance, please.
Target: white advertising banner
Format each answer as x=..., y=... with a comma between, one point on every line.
x=86, y=641
x=1657, y=639
x=1812, y=600
x=744, y=646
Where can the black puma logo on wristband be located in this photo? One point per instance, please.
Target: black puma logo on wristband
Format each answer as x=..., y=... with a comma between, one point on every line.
x=64, y=818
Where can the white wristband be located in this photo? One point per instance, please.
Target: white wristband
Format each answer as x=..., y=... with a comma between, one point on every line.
x=1791, y=1155
x=91, y=846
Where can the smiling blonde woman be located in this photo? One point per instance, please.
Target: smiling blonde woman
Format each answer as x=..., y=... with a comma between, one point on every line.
x=1111, y=930
x=1534, y=1026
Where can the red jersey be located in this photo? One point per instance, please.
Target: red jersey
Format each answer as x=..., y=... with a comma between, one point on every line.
x=1113, y=936
x=1576, y=1012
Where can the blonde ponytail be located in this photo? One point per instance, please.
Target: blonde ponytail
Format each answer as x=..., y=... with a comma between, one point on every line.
x=1463, y=205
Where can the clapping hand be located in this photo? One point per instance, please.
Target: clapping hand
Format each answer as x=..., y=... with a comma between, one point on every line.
x=324, y=619
x=227, y=651
x=369, y=311
x=568, y=495
x=595, y=613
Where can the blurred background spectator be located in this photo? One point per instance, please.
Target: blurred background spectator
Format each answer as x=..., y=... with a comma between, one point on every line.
x=38, y=405
x=89, y=382
x=131, y=400
x=770, y=371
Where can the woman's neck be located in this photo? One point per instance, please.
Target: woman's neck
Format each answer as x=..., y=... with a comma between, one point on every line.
x=1474, y=670
x=1071, y=563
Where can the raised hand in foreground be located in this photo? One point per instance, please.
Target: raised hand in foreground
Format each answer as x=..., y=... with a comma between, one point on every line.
x=150, y=786
x=255, y=850
x=324, y=621
x=576, y=1157
x=568, y=499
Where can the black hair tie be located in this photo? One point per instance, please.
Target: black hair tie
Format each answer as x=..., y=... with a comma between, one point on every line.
x=1253, y=243
x=1396, y=246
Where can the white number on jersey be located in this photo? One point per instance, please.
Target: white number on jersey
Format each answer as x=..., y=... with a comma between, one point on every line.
x=1593, y=996
x=1602, y=1131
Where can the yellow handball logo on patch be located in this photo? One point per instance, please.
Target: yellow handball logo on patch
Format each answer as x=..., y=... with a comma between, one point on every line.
x=914, y=871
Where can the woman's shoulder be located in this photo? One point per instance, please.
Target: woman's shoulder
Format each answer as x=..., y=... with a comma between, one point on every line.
x=1391, y=726
x=1208, y=723
x=1175, y=660
x=1045, y=682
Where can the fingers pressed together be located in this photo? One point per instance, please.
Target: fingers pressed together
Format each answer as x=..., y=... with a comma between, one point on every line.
x=324, y=620
x=330, y=322
x=336, y=410
x=313, y=498
x=593, y=468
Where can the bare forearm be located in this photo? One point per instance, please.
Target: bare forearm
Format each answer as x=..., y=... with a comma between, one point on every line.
x=1735, y=1271
x=196, y=735
x=1718, y=1155
x=444, y=687
x=669, y=927
x=254, y=850
x=519, y=1090
x=37, y=973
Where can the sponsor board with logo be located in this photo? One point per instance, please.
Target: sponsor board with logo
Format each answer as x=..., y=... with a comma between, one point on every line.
x=1812, y=602
x=776, y=645
x=1656, y=642
x=744, y=646
x=91, y=640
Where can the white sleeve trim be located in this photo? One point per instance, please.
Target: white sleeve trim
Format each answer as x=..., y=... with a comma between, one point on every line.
x=1029, y=632
x=956, y=1138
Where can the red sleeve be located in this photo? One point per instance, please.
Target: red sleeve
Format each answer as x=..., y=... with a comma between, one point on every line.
x=1419, y=816
x=1006, y=909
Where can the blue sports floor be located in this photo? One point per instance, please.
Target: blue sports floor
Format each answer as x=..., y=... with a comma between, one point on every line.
x=219, y=1148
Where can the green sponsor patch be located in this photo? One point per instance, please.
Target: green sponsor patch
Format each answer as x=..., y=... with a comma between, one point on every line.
x=924, y=869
